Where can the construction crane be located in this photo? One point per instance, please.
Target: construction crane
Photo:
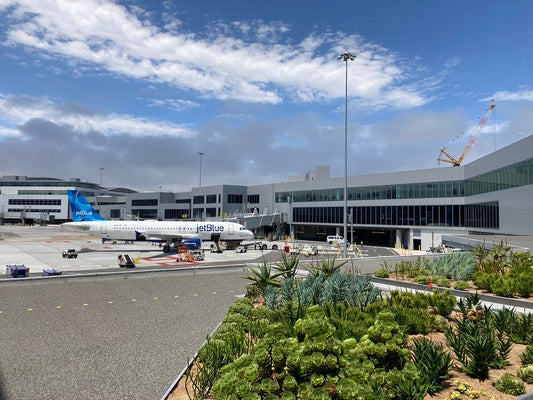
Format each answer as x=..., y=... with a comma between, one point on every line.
x=471, y=141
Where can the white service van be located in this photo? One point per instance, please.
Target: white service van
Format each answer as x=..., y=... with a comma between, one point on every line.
x=334, y=239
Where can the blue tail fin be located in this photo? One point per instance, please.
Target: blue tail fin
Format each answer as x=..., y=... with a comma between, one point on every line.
x=81, y=209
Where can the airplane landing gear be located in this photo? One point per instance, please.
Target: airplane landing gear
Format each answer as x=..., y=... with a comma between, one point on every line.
x=166, y=248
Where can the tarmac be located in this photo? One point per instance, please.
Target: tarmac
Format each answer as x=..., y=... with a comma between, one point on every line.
x=41, y=247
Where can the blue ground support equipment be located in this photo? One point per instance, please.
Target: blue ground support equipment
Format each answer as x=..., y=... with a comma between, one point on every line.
x=51, y=272
x=17, y=271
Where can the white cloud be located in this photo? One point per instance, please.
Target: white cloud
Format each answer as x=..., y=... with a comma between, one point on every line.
x=521, y=95
x=4, y=131
x=173, y=104
x=110, y=37
x=17, y=110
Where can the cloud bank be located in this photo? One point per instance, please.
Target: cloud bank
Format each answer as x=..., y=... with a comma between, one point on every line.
x=222, y=64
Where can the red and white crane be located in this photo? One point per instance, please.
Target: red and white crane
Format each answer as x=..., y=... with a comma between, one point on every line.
x=471, y=141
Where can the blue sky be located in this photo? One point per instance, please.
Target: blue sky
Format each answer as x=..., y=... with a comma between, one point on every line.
x=139, y=88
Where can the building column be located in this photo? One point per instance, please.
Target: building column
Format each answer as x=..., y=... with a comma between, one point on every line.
x=398, y=243
x=410, y=240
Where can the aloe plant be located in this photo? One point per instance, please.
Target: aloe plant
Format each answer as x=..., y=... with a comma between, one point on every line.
x=527, y=355
x=478, y=345
x=288, y=266
x=522, y=329
x=326, y=266
x=263, y=276
x=481, y=252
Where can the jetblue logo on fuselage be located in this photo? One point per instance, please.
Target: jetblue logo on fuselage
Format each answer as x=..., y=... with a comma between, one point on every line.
x=210, y=228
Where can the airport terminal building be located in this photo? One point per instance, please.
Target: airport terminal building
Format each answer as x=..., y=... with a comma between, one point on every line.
x=492, y=195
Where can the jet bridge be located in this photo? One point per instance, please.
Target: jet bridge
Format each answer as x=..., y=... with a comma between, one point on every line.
x=467, y=242
x=256, y=221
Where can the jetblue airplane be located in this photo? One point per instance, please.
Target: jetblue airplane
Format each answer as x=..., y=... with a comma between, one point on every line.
x=171, y=232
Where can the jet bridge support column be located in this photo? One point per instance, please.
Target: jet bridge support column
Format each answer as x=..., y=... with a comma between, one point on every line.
x=216, y=240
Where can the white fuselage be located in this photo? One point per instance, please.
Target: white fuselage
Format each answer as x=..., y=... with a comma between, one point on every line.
x=169, y=231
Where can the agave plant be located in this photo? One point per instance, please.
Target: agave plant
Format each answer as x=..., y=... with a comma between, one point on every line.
x=433, y=363
x=327, y=266
x=500, y=253
x=287, y=266
x=481, y=252
x=263, y=276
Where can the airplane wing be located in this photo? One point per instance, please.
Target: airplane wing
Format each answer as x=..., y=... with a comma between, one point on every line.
x=154, y=235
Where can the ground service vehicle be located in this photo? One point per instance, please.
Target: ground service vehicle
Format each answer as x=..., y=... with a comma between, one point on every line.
x=198, y=255
x=310, y=250
x=334, y=239
x=125, y=261
x=264, y=246
x=241, y=249
x=70, y=253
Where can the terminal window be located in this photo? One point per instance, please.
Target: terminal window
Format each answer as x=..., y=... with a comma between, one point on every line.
x=253, y=198
x=235, y=198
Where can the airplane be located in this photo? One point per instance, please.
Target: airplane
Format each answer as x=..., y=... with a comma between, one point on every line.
x=87, y=219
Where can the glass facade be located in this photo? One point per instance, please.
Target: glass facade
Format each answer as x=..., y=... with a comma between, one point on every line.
x=198, y=200
x=36, y=182
x=144, y=202
x=176, y=214
x=482, y=215
x=45, y=192
x=253, y=198
x=35, y=202
x=34, y=210
x=383, y=192
x=515, y=175
x=235, y=198
x=114, y=214
x=146, y=214
x=511, y=176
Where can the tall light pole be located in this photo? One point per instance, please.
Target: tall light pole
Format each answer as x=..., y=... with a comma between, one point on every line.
x=289, y=199
x=346, y=57
x=101, y=174
x=200, y=154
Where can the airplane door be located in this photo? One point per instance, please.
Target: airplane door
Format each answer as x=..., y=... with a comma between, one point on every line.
x=231, y=230
x=103, y=229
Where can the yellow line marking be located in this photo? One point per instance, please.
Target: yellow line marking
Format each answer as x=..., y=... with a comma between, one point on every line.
x=58, y=307
x=176, y=296
x=109, y=302
x=1, y=312
x=231, y=291
x=214, y=292
x=133, y=300
x=30, y=309
x=156, y=298
x=196, y=294
x=85, y=304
